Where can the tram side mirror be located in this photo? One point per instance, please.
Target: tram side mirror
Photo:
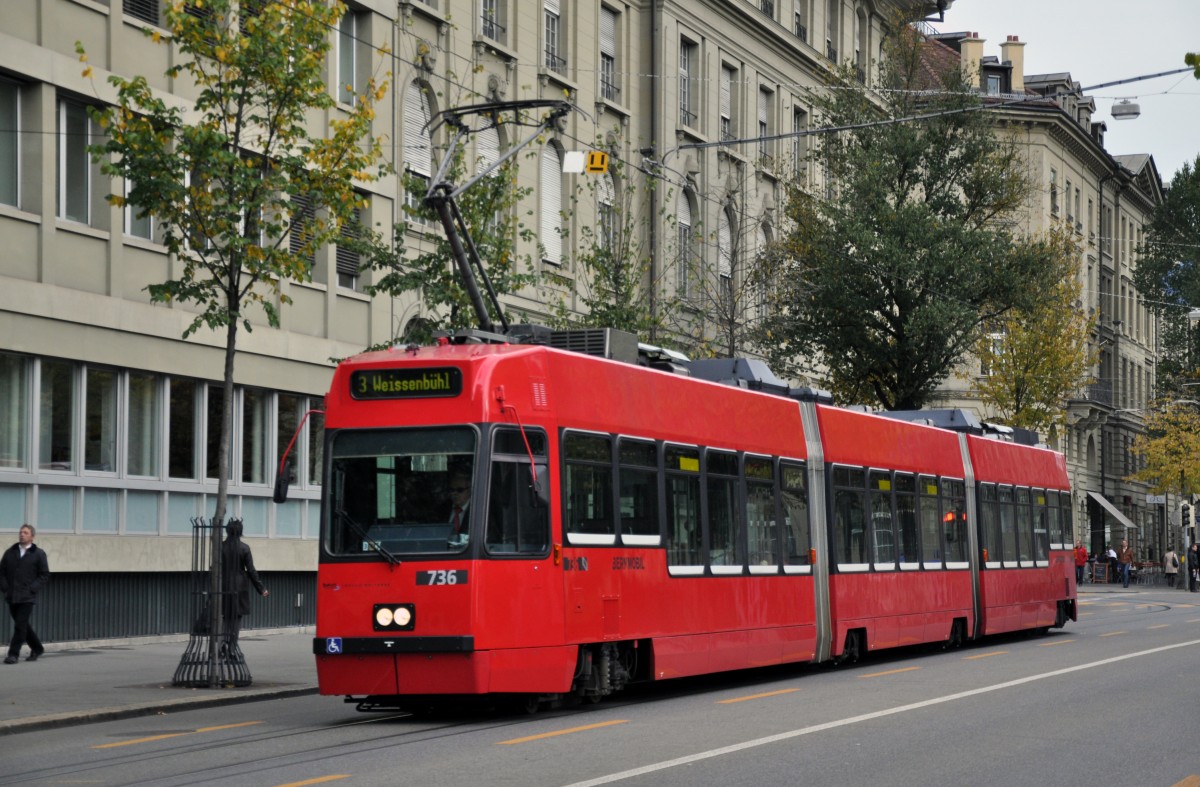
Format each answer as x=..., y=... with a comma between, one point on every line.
x=282, y=481
x=539, y=492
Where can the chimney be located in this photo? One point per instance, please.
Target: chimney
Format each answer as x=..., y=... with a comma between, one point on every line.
x=971, y=51
x=1012, y=51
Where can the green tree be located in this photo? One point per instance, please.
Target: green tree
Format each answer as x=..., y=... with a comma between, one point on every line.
x=489, y=210
x=1168, y=275
x=243, y=190
x=612, y=283
x=892, y=272
x=1037, y=357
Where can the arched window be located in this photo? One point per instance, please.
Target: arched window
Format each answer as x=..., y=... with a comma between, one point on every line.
x=551, y=215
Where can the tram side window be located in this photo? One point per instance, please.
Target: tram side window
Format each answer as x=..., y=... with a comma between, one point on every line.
x=989, y=524
x=1065, y=514
x=1024, y=526
x=954, y=520
x=761, y=530
x=1041, y=526
x=518, y=520
x=931, y=525
x=588, y=501
x=637, y=478
x=849, y=515
x=1054, y=518
x=724, y=525
x=794, y=488
x=1008, y=525
x=907, y=529
x=882, y=529
x=683, y=506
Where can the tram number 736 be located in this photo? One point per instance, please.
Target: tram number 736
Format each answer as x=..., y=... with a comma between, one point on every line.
x=442, y=577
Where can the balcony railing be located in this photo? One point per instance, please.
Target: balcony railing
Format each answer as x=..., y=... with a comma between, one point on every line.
x=609, y=90
x=555, y=63
x=687, y=118
x=802, y=31
x=493, y=29
x=831, y=52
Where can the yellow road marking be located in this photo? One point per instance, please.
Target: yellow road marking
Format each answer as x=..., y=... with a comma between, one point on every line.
x=985, y=655
x=564, y=732
x=1057, y=642
x=153, y=738
x=757, y=696
x=889, y=672
x=1190, y=781
x=1114, y=633
x=318, y=780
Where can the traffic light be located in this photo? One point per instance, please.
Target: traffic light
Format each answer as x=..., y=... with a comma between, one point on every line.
x=1186, y=513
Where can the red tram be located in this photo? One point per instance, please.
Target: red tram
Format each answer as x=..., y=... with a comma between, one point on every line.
x=516, y=519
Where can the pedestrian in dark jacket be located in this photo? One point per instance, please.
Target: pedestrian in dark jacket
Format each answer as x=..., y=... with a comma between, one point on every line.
x=237, y=574
x=24, y=570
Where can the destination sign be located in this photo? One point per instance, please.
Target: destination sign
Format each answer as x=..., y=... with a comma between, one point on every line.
x=405, y=383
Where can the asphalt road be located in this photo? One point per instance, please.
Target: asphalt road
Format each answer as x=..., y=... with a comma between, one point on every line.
x=1109, y=700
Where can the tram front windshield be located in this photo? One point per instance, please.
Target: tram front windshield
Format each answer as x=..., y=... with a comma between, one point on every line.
x=394, y=492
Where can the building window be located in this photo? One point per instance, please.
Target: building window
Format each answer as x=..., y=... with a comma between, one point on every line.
x=556, y=50
x=56, y=414
x=254, y=434
x=145, y=10
x=301, y=235
x=10, y=141
x=606, y=208
x=137, y=223
x=765, y=146
x=100, y=420
x=74, y=164
x=347, y=257
x=609, y=86
x=683, y=224
x=767, y=7
x=492, y=19
x=725, y=249
x=801, y=22
x=551, y=214
x=182, y=415
x=418, y=151
x=14, y=397
x=728, y=79
x=762, y=286
x=1054, y=192
x=687, y=101
x=350, y=29
x=799, y=140
x=143, y=426
x=833, y=29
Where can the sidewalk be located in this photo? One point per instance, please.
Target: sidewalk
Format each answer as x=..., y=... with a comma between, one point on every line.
x=81, y=682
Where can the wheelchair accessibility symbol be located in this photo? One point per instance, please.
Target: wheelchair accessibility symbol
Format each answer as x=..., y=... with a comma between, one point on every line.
x=333, y=645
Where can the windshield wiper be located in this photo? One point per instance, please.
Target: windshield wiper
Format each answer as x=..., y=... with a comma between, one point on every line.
x=378, y=547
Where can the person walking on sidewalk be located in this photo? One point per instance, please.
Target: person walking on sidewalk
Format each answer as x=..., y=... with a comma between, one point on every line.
x=237, y=574
x=1171, y=566
x=1125, y=561
x=1081, y=561
x=24, y=569
x=1191, y=564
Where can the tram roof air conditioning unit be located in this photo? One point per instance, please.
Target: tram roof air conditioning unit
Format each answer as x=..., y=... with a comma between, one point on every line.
x=601, y=342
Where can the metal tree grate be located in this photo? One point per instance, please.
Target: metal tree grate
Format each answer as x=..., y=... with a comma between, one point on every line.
x=210, y=660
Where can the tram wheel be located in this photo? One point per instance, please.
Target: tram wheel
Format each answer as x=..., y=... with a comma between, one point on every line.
x=852, y=650
x=958, y=634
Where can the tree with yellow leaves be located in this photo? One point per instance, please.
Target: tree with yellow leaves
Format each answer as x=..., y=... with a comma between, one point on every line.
x=1035, y=358
x=1170, y=449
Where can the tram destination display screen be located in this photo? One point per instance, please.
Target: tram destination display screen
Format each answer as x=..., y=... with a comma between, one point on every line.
x=406, y=383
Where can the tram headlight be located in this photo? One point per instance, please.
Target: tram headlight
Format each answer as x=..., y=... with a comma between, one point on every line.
x=394, y=616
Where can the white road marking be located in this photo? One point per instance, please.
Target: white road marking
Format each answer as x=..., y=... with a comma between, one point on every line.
x=784, y=736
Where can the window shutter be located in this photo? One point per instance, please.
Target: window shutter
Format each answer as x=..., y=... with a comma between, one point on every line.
x=552, y=6
x=551, y=221
x=608, y=33
x=145, y=10
x=764, y=98
x=724, y=246
x=303, y=217
x=726, y=92
x=417, y=152
x=347, y=259
x=487, y=148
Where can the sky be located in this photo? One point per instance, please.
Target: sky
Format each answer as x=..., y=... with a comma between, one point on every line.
x=1100, y=41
